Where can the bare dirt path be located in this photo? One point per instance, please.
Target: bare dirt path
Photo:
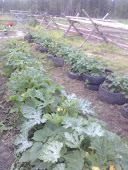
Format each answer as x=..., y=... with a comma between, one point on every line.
x=6, y=146
x=107, y=112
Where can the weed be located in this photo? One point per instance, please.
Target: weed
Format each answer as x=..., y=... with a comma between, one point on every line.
x=4, y=127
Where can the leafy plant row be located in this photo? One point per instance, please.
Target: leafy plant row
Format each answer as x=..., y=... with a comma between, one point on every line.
x=77, y=59
x=80, y=63
x=58, y=131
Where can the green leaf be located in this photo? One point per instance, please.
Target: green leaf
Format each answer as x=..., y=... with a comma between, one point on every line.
x=51, y=151
x=33, y=115
x=74, y=123
x=85, y=107
x=103, y=146
x=25, y=156
x=75, y=160
x=13, y=98
x=94, y=129
x=54, y=118
x=123, y=162
x=98, y=160
x=22, y=140
x=39, y=95
x=60, y=166
x=16, y=107
x=39, y=165
x=42, y=134
x=35, y=151
x=28, y=125
x=29, y=112
x=73, y=140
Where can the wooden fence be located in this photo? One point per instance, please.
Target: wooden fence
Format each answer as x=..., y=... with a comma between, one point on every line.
x=109, y=31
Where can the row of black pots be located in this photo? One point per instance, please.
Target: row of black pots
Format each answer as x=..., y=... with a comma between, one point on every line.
x=95, y=80
x=59, y=62
x=74, y=75
x=95, y=83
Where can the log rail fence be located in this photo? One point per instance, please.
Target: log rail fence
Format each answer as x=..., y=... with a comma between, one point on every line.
x=103, y=30
x=109, y=31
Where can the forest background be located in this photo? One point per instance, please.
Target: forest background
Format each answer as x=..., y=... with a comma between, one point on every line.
x=95, y=8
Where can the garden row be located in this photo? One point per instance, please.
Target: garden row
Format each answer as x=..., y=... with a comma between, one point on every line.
x=112, y=88
x=58, y=131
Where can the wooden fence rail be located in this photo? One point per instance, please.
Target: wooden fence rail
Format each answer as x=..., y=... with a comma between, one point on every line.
x=109, y=31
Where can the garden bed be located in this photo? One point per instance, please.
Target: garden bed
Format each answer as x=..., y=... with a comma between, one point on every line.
x=109, y=113
x=36, y=89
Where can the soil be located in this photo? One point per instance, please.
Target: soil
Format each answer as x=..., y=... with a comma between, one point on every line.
x=6, y=137
x=13, y=34
x=108, y=113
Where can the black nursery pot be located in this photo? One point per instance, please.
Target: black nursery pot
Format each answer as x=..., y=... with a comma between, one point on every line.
x=95, y=80
x=27, y=37
x=43, y=50
x=59, y=62
x=111, y=97
x=49, y=56
x=30, y=36
x=92, y=87
x=74, y=75
x=30, y=40
x=37, y=46
x=124, y=111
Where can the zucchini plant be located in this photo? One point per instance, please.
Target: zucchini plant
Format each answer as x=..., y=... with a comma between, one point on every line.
x=18, y=59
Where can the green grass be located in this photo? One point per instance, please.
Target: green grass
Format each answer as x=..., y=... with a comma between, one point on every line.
x=61, y=21
x=2, y=27
x=124, y=21
x=6, y=18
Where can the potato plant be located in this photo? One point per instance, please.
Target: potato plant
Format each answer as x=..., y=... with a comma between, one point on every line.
x=117, y=84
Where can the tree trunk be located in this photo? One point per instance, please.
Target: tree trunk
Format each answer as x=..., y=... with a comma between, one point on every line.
x=69, y=8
